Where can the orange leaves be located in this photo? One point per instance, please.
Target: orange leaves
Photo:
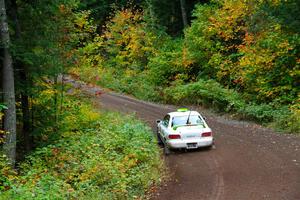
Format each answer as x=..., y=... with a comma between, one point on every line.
x=62, y=8
x=55, y=151
x=248, y=39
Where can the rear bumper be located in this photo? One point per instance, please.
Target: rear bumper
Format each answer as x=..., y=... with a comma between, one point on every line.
x=183, y=143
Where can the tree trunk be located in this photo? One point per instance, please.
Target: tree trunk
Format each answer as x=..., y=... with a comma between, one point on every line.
x=24, y=81
x=183, y=12
x=26, y=122
x=8, y=90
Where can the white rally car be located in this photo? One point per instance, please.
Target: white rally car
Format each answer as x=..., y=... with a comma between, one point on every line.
x=184, y=129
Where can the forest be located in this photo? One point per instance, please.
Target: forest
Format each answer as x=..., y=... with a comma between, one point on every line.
x=240, y=57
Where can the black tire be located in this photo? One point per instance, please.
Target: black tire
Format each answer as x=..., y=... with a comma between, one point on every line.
x=213, y=146
x=167, y=150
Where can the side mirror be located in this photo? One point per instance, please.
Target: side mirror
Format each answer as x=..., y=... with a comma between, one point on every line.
x=158, y=121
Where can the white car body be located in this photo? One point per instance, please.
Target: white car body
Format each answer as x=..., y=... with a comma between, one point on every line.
x=184, y=129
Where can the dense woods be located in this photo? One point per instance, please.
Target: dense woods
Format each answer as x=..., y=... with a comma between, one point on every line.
x=241, y=57
x=235, y=56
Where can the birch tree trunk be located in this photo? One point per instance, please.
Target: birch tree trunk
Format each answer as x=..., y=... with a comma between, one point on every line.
x=183, y=12
x=9, y=146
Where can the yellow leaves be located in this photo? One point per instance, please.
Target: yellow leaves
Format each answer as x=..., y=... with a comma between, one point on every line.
x=186, y=61
x=229, y=19
x=275, y=2
x=130, y=161
x=62, y=8
x=38, y=50
x=284, y=47
x=126, y=38
x=269, y=93
x=90, y=173
x=264, y=60
x=90, y=115
x=295, y=108
x=2, y=132
x=48, y=92
x=294, y=73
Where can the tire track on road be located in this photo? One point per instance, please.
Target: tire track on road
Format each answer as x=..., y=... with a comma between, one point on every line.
x=218, y=192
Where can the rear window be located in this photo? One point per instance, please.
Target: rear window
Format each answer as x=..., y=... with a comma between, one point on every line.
x=184, y=120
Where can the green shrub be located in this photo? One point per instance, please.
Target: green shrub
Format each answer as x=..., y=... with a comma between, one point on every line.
x=205, y=92
x=212, y=94
x=262, y=113
x=7, y=174
x=289, y=121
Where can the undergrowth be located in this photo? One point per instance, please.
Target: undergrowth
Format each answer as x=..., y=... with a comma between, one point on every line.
x=211, y=94
x=98, y=156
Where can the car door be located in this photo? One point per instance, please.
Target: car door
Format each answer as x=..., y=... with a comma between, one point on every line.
x=164, y=127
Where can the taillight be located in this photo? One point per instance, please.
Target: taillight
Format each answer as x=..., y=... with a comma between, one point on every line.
x=207, y=134
x=174, y=136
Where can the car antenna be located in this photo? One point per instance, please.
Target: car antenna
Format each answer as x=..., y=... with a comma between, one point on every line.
x=188, y=119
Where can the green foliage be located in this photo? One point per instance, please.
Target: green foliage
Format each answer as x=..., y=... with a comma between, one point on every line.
x=118, y=58
x=289, y=122
x=284, y=12
x=101, y=9
x=7, y=175
x=2, y=107
x=212, y=94
x=222, y=42
x=168, y=13
x=170, y=64
x=129, y=41
x=45, y=49
x=272, y=74
x=98, y=155
x=205, y=92
x=199, y=44
x=248, y=54
x=42, y=48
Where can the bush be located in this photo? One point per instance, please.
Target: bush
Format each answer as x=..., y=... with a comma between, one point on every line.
x=289, y=122
x=210, y=93
x=99, y=155
x=205, y=93
x=7, y=174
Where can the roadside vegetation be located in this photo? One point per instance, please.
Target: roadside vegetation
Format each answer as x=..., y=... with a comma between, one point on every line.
x=93, y=155
x=236, y=56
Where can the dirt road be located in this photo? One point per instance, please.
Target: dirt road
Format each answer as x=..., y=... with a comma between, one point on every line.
x=250, y=162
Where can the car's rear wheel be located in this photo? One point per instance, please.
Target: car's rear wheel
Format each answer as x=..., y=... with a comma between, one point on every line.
x=213, y=146
x=167, y=150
